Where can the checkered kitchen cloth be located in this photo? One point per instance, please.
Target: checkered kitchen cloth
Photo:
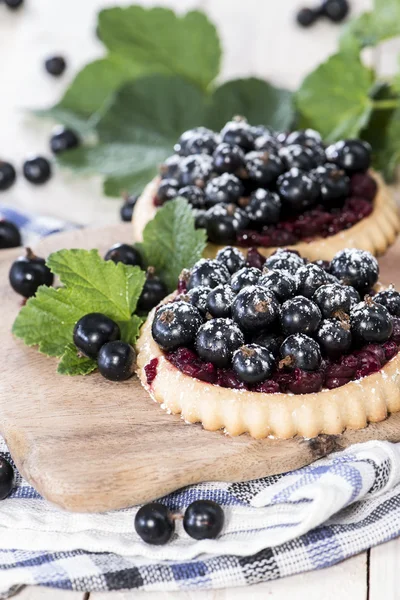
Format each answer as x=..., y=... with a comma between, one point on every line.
x=275, y=526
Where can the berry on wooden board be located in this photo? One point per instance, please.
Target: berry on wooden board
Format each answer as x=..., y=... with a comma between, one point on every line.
x=29, y=272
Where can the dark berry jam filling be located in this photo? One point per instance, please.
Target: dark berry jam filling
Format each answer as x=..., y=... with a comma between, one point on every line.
x=151, y=370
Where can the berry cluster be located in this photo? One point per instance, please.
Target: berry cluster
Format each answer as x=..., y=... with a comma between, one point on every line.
x=281, y=323
x=155, y=523
x=334, y=10
x=250, y=186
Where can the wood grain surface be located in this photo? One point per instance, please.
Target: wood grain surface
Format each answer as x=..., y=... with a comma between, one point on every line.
x=88, y=444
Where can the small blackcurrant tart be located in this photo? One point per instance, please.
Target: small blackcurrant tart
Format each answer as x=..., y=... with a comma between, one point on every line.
x=276, y=346
x=252, y=187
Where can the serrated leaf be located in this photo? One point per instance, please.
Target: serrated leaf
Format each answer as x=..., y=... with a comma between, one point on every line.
x=73, y=364
x=389, y=155
x=171, y=242
x=185, y=45
x=130, y=329
x=371, y=28
x=257, y=100
x=334, y=99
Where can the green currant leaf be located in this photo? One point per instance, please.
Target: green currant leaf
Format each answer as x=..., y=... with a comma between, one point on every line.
x=372, y=28
x=73, y=364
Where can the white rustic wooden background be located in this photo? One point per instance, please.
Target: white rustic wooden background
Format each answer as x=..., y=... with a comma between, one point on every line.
x=260, y=38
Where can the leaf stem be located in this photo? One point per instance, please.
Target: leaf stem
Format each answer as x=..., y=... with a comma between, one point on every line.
x=386, y=104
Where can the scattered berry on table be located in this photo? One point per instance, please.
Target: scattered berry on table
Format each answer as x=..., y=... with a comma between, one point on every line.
x=55, y=65
x=37, y=170
x=355, y=267
x=29, y=272
x=127, y=208
x=217, y=340
x=300, y=351
x=124, y=253
x=6, y=478
x=335, y=10
x=176, y=324
x=154, y=290
x=116, y=361
x=154, y=524
x=94, y=330
x=307, y=17
x=63, y=139
x=253, y=363
x=10, y=236
x=203, y=519
x=7, y=175
x=300, y=315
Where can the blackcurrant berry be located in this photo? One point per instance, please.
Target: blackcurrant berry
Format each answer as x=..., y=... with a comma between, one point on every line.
x=170, y=169
x=187, y=138
x=300, y=315
x=238, y=133
x=6, y=478
x=195, y=169
x=226, y=189
x=271, y=341
x=300, y=351
x=263, y=168
x=224, y=222
x=29, y=272
x=354, y=156
x=264, y=207
x=219, y=301
x=299, y=157
x=208, y=272
x=14, y=4
x=37, y=170
x=283, y=285
x=7, y=175
x=308, y=279
x=306, y=17
x=260, y=130
x=200, y=218
x=228, y=159
x=203, y=520
x=244, y=277
x=255, y=308
x=267, y=143
x=334, y=183
x=55, y=65
x=304, y=137
x=335, y=10
x=124, y=253
x=154, y=290
x=198, y=297
x=355, y=267
x=371, y=322
x=334, y=338
x=284, y=260
x=167, y=190
x=194, y=195
x=232, y=258
x=127, y=208
x=175, y=325
x=253, y=363
x=94, y=330
x=201, y=143
x=10, y=236
x=297, y=189
x=63, y=139
x=154, y=524
x=390, y=299
x=116, y=361
x=217, y=340
x=333, y=300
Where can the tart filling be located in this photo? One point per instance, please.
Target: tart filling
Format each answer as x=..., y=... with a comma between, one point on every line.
x=248, y=336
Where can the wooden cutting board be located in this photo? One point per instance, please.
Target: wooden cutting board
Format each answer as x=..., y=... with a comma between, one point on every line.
x=88, y=444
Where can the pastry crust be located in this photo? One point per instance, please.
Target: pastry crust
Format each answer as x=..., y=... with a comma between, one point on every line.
x=352, y=406
x=375, y=233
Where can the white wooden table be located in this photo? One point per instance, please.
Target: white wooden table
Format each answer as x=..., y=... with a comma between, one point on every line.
x=260, y=38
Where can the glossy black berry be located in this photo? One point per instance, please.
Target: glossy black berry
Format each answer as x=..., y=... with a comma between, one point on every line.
x=29, y=272
x=298, y=157
x=10, y=236
x=116, y=361
x=154, y=524
x=371, y=322
x=201, y=143
x=203, y=520
x=308, y=279
x=7, y=175
x=124, y=253
x=354, y=156
x=208, y=272
x=189, y=137
x=390, y=299
x=264, y=207
x=63, y=139
x=170, y=169
x=176, y=324
x=334, y=338
x=194, y=195
x=94, y=330
x=267, y=143
x=335, y=10
x=127, y=208
x=195, y=169
x=154, y=290
x=200, y=218
x=306, y=17
x=6, y=478
x=238, y=133
x=253, y=363
x=357, y=268
x=300, y=315
x=167, y=190
x=300, y=351
x=217, y=340
x=283, y=285
x=55, y=65
x=284, y=260
x=14, y=4
x=305, y=137
x=334, y=300
x=334, y=184
x=198, y=297
x=232, y=258
x=244, y=277
x=270, y=341
x=224, y=222
x=226, y=188
x=255, y=308
x=355, y=297
x=219, y=301
x=298, y=190
x=37, y=170
x=228, y=159
x=263, y=168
